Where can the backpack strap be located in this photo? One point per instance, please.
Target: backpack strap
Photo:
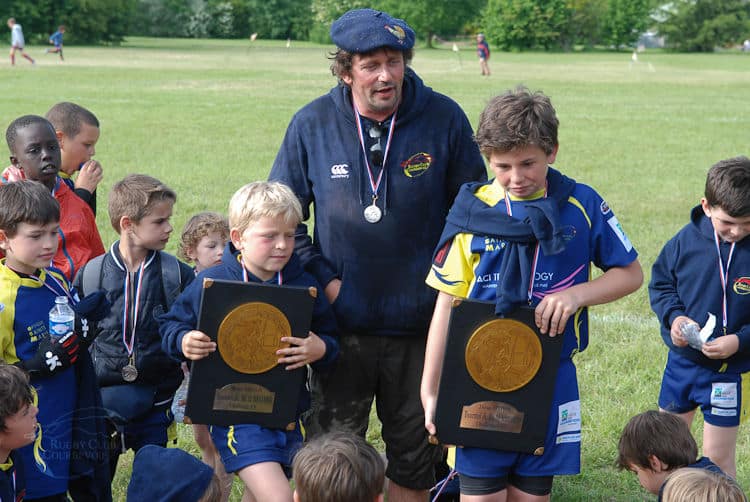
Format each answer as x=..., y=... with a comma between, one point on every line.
x=170, y=277
x=91, y=279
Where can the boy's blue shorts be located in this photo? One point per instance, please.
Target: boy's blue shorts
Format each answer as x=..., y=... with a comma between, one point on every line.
x=248, y=444
x=687, y=385
x=562, y=446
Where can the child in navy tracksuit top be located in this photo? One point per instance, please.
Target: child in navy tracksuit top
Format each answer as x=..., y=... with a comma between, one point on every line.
x=262, y=220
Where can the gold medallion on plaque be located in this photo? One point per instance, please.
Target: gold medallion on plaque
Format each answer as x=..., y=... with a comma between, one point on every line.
x=503, y=355
x=250, y=335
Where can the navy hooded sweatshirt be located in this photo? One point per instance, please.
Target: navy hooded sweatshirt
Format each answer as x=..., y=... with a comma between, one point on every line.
x=685, y=281
x=381, y=265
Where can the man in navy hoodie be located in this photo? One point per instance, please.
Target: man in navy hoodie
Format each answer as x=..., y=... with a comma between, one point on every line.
x=380, y=157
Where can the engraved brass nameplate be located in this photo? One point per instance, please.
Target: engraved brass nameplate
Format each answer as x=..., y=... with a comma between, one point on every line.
x=250, y=335
x=492, y=416
x=244, y=397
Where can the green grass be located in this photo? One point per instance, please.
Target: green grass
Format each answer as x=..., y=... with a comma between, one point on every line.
x=209, y=116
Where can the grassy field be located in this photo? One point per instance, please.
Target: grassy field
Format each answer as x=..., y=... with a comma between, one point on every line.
x=208, y=116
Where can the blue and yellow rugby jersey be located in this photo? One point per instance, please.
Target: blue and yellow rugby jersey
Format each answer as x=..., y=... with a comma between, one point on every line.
x=468, y=266
x=24, y=312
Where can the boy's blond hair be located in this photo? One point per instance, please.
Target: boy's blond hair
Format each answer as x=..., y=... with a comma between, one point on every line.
x=135, y=196
x=263, y=198
x=701, y=485
x=199, y=226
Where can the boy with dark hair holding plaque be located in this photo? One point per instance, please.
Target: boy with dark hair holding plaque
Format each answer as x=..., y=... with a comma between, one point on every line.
x=262, y=221
x=526, y=238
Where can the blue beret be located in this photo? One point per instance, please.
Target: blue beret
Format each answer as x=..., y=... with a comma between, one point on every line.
x=167, y=475
x=363, y=30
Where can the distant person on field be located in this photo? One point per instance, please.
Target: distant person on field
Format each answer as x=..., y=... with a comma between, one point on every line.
x=202, y=242
x=77, y=130
x=171, y=475
x=35, y=152
x=702, y=273
x=338, y=467
x=262, y=219
x=699, y=485
x=18, y=428
x=483, y=51
x=654, y=444
x=56, y=39
x=17, y=42
x=527, y=238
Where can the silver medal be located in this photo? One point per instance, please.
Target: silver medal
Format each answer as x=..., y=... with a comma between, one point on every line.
x=129, y=373
x=373, y=214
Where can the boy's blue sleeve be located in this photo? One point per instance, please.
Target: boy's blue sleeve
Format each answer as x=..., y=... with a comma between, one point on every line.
x=181, y=318
x=662, y=291
x=324, y=325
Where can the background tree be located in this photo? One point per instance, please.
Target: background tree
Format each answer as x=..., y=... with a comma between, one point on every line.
x=584, y=25
x=624, y=21
x=434, y=17
x=526, y=24
x=702, y=25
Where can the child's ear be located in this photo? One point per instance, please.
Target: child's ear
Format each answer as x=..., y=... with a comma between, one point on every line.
x=655, y=464
x=60, y=138
x=3, y=240
x=234, y=236
x=295, y=496
x=14, y=161
x=380, y=498
x=125, y=223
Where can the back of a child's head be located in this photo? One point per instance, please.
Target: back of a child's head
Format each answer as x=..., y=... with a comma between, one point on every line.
x=727, y=185
x=26, y=202
x=263, y=199
x=515, y=119
x=135, y=196
x=663, y=435
x=338, y=467
x=199, y=226
x=69, y=117
x=15, y=391
x=11, y=133
x=701, y=485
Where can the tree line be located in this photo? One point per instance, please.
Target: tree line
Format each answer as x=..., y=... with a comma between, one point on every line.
x=688, y=25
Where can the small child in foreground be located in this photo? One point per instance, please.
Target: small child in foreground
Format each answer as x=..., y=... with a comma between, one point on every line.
x=654, y=444
x=338, y=467
x=202, y=242
x=699, y=485
x=18, y=428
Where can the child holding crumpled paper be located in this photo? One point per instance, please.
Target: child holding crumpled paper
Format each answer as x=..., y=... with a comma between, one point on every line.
x=701, y=273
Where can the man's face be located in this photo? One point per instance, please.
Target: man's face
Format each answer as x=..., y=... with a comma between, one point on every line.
x=37, y=152
x=376, y=80
x=78, y=149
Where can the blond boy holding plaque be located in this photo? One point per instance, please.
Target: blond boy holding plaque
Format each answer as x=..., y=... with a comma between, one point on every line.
x=526, y=238
x=262, y=220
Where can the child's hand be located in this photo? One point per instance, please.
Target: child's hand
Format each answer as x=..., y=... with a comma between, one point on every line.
x=721, y=347
x=302, y=352
x=676, y=333
x=553, y=312
x=89, y=176
x=197, y=345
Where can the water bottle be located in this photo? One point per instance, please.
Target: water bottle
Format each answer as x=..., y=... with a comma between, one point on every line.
x=61, y=319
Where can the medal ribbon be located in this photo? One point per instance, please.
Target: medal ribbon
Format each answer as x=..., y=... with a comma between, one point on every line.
x=136, y=306
x=59, y=285
x=724, y=277
x=245, y=278
x=374, y=184
x=509, y=210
